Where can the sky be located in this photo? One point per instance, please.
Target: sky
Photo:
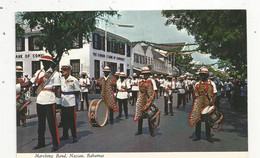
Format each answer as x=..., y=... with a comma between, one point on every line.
x=150, y=26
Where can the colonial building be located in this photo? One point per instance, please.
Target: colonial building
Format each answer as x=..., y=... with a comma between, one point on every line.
x=89, y=57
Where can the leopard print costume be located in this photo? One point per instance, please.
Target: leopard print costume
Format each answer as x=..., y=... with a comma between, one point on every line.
x=107, y=93
x=145, y=98
x=202, y=93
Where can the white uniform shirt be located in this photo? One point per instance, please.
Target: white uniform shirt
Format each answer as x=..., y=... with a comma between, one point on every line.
x=168, y=84
x=84, y=81
x=134, y=84
x=161, y=82
x=122, y=89
x=181, y=86
x=46, y=97
x=212, y=83
x=69, y=85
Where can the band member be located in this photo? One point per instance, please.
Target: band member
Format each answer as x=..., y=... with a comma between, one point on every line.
x=116, y=76
x=20, y=115
x=205, y=94
x=48, y=89
x=161, y=80
x=157, y=85
x=84, y=84
x=219, y=85
x=69, y=91
x=134, y=88
x=181, y=86
x=147, y=88
x=123, y=88
x=107, y=94
x=169, y=86
x=186, y=82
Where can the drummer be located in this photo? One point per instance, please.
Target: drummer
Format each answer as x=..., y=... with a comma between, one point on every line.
x=169, y=86
x=199, y=104
x=123, y=89
x=69, y=91
x=107, y=82
x=141, y=103
x=20, y=116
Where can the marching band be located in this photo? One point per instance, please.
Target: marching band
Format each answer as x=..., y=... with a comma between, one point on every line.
x=63, y=91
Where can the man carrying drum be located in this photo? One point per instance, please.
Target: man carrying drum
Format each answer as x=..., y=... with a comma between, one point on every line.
x=48, y=89
x=107, y=94
x=205, y=95
x=147, y=88
x=69, y=91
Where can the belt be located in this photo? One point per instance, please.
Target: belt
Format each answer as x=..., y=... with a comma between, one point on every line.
x=47, y=89
x=122, y=90
x=67, y=93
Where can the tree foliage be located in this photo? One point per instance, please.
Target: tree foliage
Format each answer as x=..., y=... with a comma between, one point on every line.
x=183, y=62
x=219, y=32
x=61, y=29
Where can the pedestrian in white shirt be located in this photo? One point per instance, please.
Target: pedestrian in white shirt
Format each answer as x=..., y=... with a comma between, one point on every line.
x=161, y=80
x=123, y=88
x=84, y=84
x=182, y=87
x=69, y=91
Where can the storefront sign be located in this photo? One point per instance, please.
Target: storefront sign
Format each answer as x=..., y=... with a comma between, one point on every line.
x=20, y=56
x=108, y=56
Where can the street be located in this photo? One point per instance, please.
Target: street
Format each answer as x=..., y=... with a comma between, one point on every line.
x=173, y=134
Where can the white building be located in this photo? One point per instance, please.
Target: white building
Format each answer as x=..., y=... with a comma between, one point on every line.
x=89, y=57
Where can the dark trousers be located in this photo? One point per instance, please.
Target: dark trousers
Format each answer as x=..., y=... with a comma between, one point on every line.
x=198, y=129
x=134, y=97
x=123, y=102
x=21, y=116
x=166, y=104
x=228, y=94
x=43, y=112
x=181, y=97
x=69, y=121
x=140, y=125
x=85, y=98
x=161, y=91
x=111, y=115
x=217, y=102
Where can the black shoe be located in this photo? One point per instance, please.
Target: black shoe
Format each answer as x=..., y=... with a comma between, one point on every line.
x=118, y=116
x=74, y=140
x=152, y=134
x=24, y=125
x=196, y=139
x=54, y=148
x=171, y=114
x=209, y=139
x=165, y=114
x=64, y=138
x=126, y=117
x=111, y=123
x=138, y=133
x=38, y=146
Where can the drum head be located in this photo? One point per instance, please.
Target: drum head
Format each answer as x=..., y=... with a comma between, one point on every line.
x=102, y=113
x=205, y=110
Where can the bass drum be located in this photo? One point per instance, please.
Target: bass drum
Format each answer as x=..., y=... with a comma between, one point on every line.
x=212, y=115
x=97, y=113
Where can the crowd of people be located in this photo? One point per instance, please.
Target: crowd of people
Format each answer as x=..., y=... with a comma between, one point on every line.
x=59, y=90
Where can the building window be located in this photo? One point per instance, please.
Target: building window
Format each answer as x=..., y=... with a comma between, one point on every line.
x=36, y=65
x=75, y=68
x=121, y=67
x=113, y=46
x=122, y=49
x=78, y=43
x=20, y=44
x=108, y=45
x=140, y=59
x=128, y=51
x=97, y=68
x=33, y=44
x=102, y=42
x=95, y=41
